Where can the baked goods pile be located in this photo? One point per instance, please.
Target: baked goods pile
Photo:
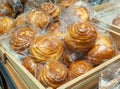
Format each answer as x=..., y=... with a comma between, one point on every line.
x=56, y=51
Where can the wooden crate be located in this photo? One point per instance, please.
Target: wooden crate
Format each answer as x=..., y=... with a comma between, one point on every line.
x=86, y=81
x=102, y=16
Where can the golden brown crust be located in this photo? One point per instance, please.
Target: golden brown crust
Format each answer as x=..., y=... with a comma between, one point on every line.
x=6, y=24
x=20, y=20
x=51, y=10
x=29, y=63
x=65, y=3
x=54, y=74
x=101, y=51
x=46, y=48
x=79, y=67
x=80, y=37
x=21, y=38
x=38, y=18
x=82, y=13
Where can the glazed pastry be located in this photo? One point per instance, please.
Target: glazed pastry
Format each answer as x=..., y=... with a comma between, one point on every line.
x=51, y=10
x=65, y=3
x=54, y=74
x=116, y=21
x=20, y=20
x=5, y=9
x=56, y=30
x=6, y=24
x=38, y=18
x=21, y=38
x=102, y=50
x=82, y=13
x=79, y=67
x=46, y=48
x=30, y=64
x=80, y=37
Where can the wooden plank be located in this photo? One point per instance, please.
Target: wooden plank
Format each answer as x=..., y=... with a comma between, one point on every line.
x=2, y=54
x=15, y=76
x=28, y=78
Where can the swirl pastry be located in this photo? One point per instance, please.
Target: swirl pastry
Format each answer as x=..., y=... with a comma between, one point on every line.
x=6, y=24
x=79, y=67
x=51, y=10
x=80, y=37
x=30, y=64
x=5, y=9
x=82, y=13
x=21, y=38
x=101, y=51
x=65, y=3
x=38, y=18
x=54, y=74
x=46, y=48
x=20, y=20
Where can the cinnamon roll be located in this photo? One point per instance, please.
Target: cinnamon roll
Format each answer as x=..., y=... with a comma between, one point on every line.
x=51, y=9
x=20, y=20
x=30, y=64
x=79, y=67
x=65, y=3
x=80, y=37
x=54, y=74
x=21, y=38
x=102, y=50
x=38, y=18
x=6, y=24
x=46, y=48
x=82, y=13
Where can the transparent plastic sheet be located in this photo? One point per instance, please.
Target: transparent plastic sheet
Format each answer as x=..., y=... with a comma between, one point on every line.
x=32, y=4
x=110, y=77
x=110, y=12
x=6, y=25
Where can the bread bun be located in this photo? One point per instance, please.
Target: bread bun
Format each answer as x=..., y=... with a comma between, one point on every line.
x=54, y=74
x=79, y=67
x=46, y=48
x=6, y=24
x=80, y=36
x=102, y=50
x=51, y=9
x=21, y=38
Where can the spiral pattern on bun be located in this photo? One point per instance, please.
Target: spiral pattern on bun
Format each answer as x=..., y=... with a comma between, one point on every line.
x=46, y=48
x=80, y=36
x=6, y=24
x=21, y=38
x=51, y=10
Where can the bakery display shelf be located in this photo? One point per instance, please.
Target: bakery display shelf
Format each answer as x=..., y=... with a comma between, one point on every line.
x=81, y=82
